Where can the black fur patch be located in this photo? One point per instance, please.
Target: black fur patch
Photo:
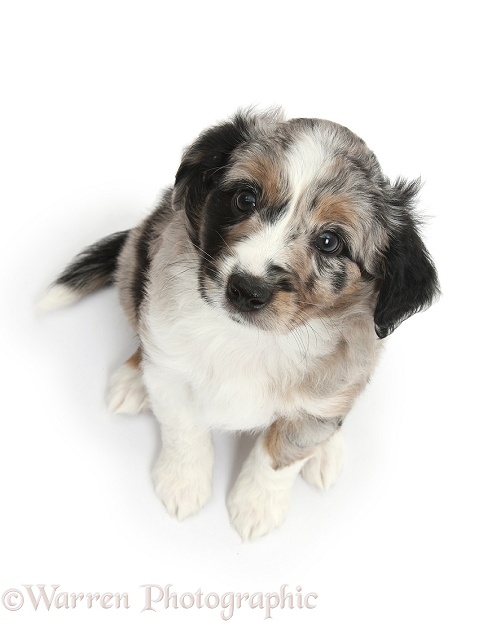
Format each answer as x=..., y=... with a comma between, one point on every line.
x=218, y=215
x=410, y=282
x=203, y=165
x=310, y=283
x=272, y=214
x=94, y=267
x=152, y=227
x=339, y=278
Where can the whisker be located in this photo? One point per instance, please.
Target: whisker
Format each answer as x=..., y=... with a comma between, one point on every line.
x=224, y=241
x=202, y=251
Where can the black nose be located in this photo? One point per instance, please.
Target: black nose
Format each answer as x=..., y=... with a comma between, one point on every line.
x=248, y=293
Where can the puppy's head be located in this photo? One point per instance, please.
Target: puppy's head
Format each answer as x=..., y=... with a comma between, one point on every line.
x=294, y=220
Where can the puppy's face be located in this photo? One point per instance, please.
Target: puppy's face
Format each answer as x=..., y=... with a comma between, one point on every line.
x=291, y=220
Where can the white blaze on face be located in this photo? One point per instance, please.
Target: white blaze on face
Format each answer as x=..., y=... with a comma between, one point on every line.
x=267, y=246
x=306, y=161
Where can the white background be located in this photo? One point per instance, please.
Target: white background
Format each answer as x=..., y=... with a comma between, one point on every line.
x=98, y=101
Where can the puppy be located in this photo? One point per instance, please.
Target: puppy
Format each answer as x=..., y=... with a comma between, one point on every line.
x=260, y=288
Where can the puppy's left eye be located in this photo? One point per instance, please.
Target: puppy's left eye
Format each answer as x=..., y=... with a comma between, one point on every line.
x=329, y=242
x=245, y=201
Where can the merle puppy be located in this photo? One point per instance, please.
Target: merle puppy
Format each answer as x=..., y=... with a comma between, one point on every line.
x=260, y=288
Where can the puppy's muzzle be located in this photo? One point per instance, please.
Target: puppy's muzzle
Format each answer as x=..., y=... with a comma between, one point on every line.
x=248, y=293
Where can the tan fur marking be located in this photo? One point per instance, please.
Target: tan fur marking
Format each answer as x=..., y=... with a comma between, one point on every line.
x=282, y=451
x=289, y=440
x=136, y=359
x=262, y=169
x=246, y=228
x=336, y=210
x=341, y=404
x=284, y=307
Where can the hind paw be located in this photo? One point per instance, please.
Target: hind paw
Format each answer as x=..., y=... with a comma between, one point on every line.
x=127, y=393
x=324, y=467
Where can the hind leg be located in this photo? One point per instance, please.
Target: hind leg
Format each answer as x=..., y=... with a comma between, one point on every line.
x=127, y=393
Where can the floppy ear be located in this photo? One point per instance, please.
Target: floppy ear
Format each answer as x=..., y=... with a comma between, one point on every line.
x=409, y=282
x=204, y=162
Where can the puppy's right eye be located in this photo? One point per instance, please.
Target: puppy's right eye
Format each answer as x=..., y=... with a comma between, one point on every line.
x=245, y=201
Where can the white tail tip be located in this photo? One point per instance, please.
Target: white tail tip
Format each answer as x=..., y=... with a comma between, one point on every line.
x=58, y=296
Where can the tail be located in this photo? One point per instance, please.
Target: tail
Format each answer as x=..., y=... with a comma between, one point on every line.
x=90, y=270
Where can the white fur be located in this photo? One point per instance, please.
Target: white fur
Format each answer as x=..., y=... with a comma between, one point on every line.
x=183, y=472
x=268, y=245
x=183, y=476
x=260, y=498
x=127, y=393
x=307, y=160
x=324, y=467
x=58, y=296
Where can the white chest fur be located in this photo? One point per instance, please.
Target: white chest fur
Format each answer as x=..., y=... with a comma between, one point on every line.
x=237, y=374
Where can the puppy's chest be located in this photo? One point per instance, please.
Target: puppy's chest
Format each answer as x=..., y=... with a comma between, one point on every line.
x=239, y=379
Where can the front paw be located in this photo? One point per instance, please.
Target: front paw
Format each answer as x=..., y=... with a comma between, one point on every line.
x=254, y=509
x=184, y=486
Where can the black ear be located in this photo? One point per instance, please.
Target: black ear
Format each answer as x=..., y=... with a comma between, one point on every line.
x=409, y=282
x=205, y=161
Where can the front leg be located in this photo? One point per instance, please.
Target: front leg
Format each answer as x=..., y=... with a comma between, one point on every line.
x=183, y=472
x=260, y=498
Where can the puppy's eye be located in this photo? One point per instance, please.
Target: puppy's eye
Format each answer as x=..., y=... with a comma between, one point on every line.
x=329, y=242
x=245, y=201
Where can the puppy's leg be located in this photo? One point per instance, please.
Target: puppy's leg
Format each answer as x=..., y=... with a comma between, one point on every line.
x=183, y=472
x=127, y=393
x=260, y=498
x=324, y=467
